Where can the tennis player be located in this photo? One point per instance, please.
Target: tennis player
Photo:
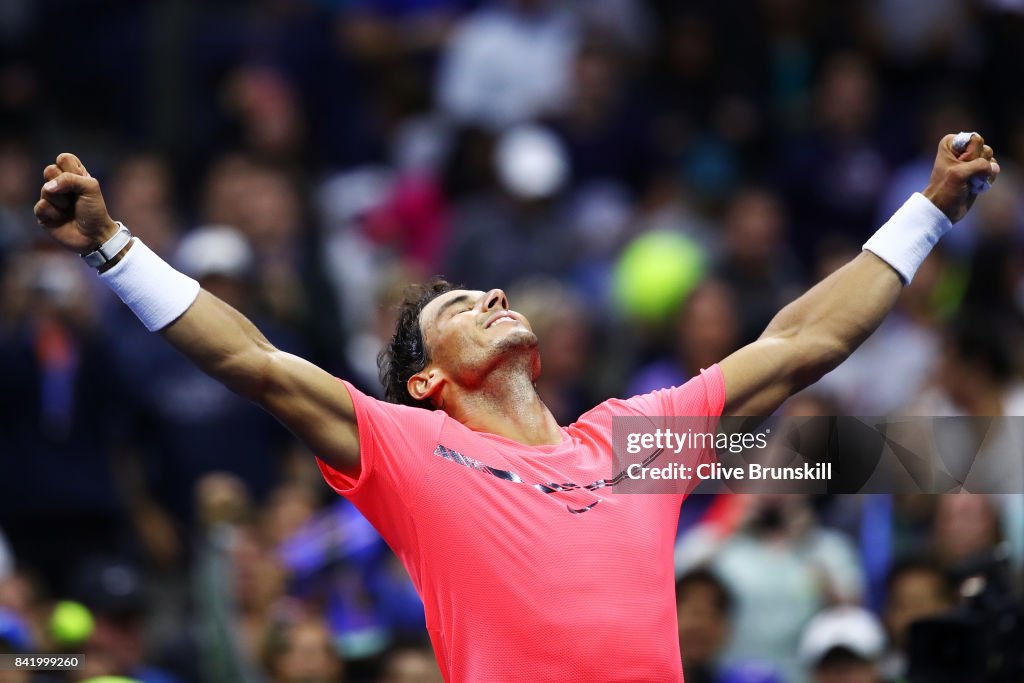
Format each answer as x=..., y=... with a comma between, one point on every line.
x=528, y=569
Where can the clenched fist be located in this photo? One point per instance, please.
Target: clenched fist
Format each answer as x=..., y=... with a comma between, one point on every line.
x=71, y=206
x=949, y=187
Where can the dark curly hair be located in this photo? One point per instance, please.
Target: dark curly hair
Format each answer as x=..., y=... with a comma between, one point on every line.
x=407, y=354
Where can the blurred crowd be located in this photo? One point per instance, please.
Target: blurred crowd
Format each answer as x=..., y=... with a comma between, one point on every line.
x=650, y=181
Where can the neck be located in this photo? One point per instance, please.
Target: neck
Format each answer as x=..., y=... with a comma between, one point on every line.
x=507, y=404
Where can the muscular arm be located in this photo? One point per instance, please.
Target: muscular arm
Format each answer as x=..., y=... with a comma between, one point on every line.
x=810, y=336
x=217, y=338
x=310, y=402
x=815, y=333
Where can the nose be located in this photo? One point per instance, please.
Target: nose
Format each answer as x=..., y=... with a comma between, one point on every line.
x=495, y=299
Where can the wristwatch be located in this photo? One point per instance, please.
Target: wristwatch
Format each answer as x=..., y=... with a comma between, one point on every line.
x=109, y=249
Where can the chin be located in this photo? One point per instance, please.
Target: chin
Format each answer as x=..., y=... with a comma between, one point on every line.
x=518, y=338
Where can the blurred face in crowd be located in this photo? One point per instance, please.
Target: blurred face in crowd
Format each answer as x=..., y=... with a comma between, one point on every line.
x=965, y=524
x=846, y=670
x=17, y=176
x=596, y=81
x=707, y=327
x=258, y=573
x=306, y=655
x=268, y=110
x=468, y=334
x=117, y=643
x=141, y=197
x=779, y=514
x=703, y=624
x=558, y=318
x=847, y=94
x=916, y=594
x=290, y=506
x=754, y=229
x=271, y=213
x=226, y=190
x=411, y=665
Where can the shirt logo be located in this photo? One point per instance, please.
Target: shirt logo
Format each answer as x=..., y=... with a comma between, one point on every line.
x=548, y=488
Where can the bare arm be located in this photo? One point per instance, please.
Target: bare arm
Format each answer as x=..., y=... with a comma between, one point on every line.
x=810, y=336
x=819, y=330
x=311, y=403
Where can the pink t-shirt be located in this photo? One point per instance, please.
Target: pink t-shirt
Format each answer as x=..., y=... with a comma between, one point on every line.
x=526, y=574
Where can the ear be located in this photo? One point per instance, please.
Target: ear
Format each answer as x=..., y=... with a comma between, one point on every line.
x=425, y=384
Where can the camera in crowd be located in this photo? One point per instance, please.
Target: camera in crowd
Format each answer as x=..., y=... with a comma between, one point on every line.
x=982, y=641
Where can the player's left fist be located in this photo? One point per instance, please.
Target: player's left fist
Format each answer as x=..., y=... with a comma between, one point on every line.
x=951, y=186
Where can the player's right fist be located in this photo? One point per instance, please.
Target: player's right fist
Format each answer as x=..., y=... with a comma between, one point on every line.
x=950, y=187
x=71, y=206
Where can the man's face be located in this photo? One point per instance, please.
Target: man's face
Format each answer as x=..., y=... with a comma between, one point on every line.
x=703, y=626
x=469, y=332
x=850, y=671
x=916, y=595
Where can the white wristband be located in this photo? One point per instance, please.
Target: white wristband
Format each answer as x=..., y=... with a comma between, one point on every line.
x=156, y=292
x=906, y=239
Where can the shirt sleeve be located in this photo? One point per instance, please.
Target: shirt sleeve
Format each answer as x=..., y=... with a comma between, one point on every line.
x=392, y=439
x=701, y=396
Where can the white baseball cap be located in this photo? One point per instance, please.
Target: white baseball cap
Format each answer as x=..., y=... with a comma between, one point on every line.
x=851, y=628
x=532, y=162
x=214, y=250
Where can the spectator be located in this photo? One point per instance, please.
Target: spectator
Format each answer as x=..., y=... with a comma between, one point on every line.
x=508, y=62
x=239, y=595
x=915, y=590
x=976, y=377
x=781, y=566
x=756, y=263
x=843, y=645
x=834, y=175
x=706, y=329
x=302, y=652
x=966, y=528
x=518, y=228
x=56, y=391
x=142, y=196
x=704, y=607
x=16, y=179
x=410, y=664
x=15, y=638
x=113, y=591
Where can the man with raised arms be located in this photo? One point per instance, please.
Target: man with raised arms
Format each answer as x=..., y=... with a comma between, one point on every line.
x=528, y=570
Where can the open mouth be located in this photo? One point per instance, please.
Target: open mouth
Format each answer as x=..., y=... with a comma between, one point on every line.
x=502, y=318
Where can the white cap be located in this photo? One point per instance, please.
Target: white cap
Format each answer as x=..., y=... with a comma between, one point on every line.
x=852, y=628
x=214, y=250
x=531, y=162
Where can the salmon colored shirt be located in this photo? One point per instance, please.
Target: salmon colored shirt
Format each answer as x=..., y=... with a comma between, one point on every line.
x=526, y=574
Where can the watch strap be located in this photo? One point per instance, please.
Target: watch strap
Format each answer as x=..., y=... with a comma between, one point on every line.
x=109, y=249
